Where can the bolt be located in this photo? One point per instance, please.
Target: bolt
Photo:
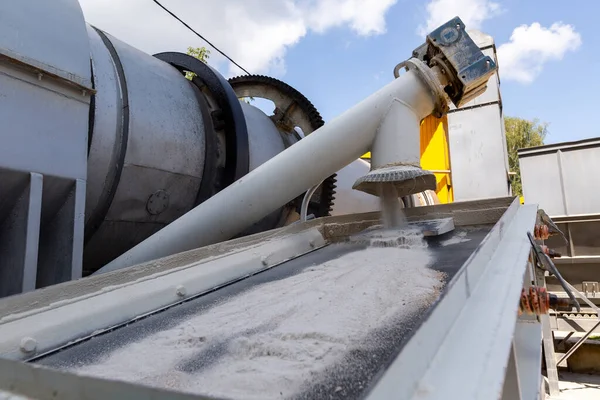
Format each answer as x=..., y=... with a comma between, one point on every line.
x=263, y=260
x=180, y=290
x=39, y=75
x=28, y=344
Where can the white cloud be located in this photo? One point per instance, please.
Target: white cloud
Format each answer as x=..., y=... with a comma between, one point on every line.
x=365, y=18
x=255, y=33
x=531, y=47
x=471, y=12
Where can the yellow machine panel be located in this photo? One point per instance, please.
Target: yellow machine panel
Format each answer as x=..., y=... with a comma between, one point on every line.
x=435, y=155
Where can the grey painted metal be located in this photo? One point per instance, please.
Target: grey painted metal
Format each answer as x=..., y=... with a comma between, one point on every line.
x=108, y=141
x=161, y=144
x=511, y=389
x=492, y=94
x=30, y=382
x=476, y=135
x=19, y=232
x=61, y=238
x=581, y=340
x=557, y=177
x=142, y=291
x=528, y=357
x=48, y=37
x=44, y=144
x=589, y=330
x=46, y=84
x=478, y=164
x=351, y=135
x=548, y=340
x=474, y=328
x=264, y=139
x=566, y=322
x=550, y=356
x=78, y=315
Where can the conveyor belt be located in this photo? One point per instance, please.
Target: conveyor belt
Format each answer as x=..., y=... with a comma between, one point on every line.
x=349, y=376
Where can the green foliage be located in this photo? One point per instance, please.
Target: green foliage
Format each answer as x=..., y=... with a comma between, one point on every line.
x=520, y=134
x=201, y=53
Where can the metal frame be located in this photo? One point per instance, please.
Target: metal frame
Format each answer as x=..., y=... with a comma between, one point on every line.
x=69, y=321
x=43, y=159
x=47, y=384
x=553, y=176
x=475, y=322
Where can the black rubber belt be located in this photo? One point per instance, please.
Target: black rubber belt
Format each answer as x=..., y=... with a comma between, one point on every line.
x=236, y=132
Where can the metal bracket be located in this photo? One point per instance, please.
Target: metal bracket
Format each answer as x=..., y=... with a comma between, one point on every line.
x=589, y=286
x=547, y=264
x=452, y=50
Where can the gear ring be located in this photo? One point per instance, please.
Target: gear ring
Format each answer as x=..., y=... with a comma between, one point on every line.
x=291, y=107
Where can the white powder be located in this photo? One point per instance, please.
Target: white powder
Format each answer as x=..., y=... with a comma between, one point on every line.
x=283, y=334
x=458, y=238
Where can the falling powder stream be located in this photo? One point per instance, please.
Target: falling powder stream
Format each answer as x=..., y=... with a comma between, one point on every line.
x=392, y=215
x=276, y=338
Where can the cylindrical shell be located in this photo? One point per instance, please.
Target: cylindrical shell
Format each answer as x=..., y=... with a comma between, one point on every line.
x=148, y=137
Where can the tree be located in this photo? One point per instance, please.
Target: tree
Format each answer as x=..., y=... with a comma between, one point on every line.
x=201, y=53
x=520, y=134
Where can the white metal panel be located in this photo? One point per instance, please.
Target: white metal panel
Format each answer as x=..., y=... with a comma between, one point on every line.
x=45, y=126
x=540, y=177
x=560, y=177
x=579, y=169
x=476, y=153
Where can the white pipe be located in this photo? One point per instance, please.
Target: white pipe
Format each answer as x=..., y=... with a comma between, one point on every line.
x=398, y=138
x=279, y=180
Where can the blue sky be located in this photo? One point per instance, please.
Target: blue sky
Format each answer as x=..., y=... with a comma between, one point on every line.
x=337, y=52
x=562, y=95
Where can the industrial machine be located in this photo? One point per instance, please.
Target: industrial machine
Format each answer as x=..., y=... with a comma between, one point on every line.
x=166, y=191
x=554, y=176
x=108, y=144
x=466, y=139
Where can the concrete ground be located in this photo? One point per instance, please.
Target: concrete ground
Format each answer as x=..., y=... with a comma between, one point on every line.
x=578, y=387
